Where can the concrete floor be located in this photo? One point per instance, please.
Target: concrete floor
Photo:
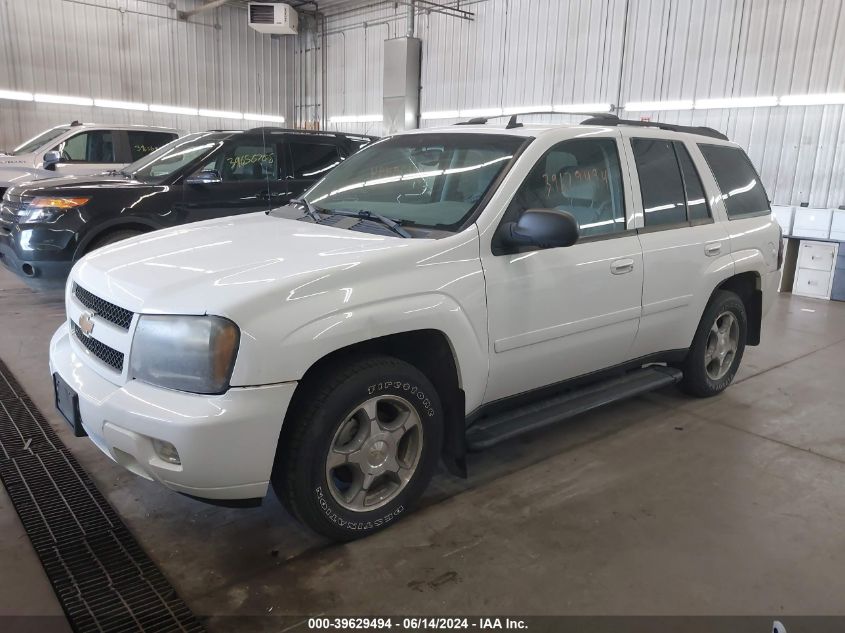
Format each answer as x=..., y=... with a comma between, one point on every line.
x=659, y=505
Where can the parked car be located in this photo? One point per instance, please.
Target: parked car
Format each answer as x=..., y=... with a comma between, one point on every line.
x=80, y=149
x=440, y=290
x=45, y=226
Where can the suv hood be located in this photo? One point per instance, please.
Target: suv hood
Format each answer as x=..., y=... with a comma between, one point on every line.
x=68, y=184
x=218, y=266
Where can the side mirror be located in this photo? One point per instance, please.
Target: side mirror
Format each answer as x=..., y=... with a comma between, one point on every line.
x=544, y=228
x=208, y=177
x=51, y=159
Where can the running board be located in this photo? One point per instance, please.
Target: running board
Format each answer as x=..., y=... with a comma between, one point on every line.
x=503, y=426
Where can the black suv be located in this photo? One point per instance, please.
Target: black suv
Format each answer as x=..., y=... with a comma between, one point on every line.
x=45, y=226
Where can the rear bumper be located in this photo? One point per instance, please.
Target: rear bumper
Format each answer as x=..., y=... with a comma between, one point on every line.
x=226, y=443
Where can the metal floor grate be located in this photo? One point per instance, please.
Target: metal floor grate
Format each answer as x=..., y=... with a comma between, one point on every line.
x=103, y=579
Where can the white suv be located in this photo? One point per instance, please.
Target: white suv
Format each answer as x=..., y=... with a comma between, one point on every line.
x=441, y=290
x=79, y=149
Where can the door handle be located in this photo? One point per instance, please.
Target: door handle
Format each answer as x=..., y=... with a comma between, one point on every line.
x=711, y=249
x=622, y=266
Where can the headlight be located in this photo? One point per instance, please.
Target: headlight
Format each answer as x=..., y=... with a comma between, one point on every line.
x=188, y=353
x=44, y=209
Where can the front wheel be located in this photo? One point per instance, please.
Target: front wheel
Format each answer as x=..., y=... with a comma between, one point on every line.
x=717, y=347
x=364, y=443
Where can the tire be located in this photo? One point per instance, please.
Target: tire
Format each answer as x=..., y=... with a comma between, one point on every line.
x=346, y=475
x=714, y=357
x=111, y=238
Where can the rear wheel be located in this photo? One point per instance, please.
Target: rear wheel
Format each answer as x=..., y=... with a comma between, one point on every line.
x=111, y=238
x=363, y=445
x=717, y=347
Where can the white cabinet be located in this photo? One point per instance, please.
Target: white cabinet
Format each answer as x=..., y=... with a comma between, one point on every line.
x=784, y=216
x=837, y=227
x=812, y=223
x=814, y=270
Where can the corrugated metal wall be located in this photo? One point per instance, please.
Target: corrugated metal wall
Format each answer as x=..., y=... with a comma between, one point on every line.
x=545, y=52
x=137, y=50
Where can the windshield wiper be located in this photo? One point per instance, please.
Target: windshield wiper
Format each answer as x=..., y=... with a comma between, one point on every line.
x=393, y=225
x=310, y=209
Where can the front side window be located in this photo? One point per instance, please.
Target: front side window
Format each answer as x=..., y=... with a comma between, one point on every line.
x=312, y=160
x=738, y=181
x=39, y=141
x=142, y=143
x=661, y=186
x=163, y=163
x=424, y=180
x=96, y=146
x=245, y=161
x=581, y=176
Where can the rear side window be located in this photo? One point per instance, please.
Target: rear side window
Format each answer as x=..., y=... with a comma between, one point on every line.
x=661, y=186
x=312, y=160
x=741, y=188
x=697, y=208
x=142, y=143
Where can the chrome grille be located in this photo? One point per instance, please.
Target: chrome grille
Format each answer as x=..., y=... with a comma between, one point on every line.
x=121, y=317
x=108, y=355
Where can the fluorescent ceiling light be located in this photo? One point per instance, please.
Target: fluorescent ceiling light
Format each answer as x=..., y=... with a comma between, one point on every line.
x=80, y=101
x=220, y=114
x=833, y=98
x=120, y=105
x=651, y=106
x=14, y=95
x=270, y=118
x=173, y=110
x=527, y=109
x=739, y=102
x=481, y=112
x=583, y=108
x=356, y=118
x=440, y=114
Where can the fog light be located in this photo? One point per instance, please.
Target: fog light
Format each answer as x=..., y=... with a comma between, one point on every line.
x=166, y=451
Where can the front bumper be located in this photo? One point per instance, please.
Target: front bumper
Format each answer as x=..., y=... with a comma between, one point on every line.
x=39, y=269
x=226, y=443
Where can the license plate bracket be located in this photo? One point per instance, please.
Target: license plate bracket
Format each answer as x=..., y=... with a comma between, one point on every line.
x=67, y=402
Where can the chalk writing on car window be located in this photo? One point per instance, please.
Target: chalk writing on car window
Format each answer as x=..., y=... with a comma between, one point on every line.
x=250, y=159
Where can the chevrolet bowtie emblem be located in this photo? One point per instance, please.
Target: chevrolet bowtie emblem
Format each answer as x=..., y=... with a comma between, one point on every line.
x=86, y=323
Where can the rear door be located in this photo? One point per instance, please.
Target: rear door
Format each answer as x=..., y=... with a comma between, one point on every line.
x=309, y=158
x=250, y=180
x=685, y=251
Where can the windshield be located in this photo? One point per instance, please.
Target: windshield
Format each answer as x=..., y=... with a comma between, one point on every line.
x=42, y=139
x=429, y=180
x=161, y=164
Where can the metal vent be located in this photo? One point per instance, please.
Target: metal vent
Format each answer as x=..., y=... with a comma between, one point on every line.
x=121, y=317
x=101, y=576
x=108, y=355
x=262, y=13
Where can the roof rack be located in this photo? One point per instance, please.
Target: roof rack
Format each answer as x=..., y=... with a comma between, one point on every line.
x=612, y=119
x=514, y=122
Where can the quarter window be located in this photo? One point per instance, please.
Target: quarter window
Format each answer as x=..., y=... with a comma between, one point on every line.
x=738, y=181
x=581, y=176
x=97, y=146
x=661, y=186
x=697, y=209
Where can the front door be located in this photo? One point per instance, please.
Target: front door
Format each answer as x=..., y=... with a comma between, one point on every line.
x=558, y=313
x=91, y=152
x=249, y=174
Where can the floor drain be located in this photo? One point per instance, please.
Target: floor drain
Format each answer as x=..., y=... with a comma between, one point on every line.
x=102, y=577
